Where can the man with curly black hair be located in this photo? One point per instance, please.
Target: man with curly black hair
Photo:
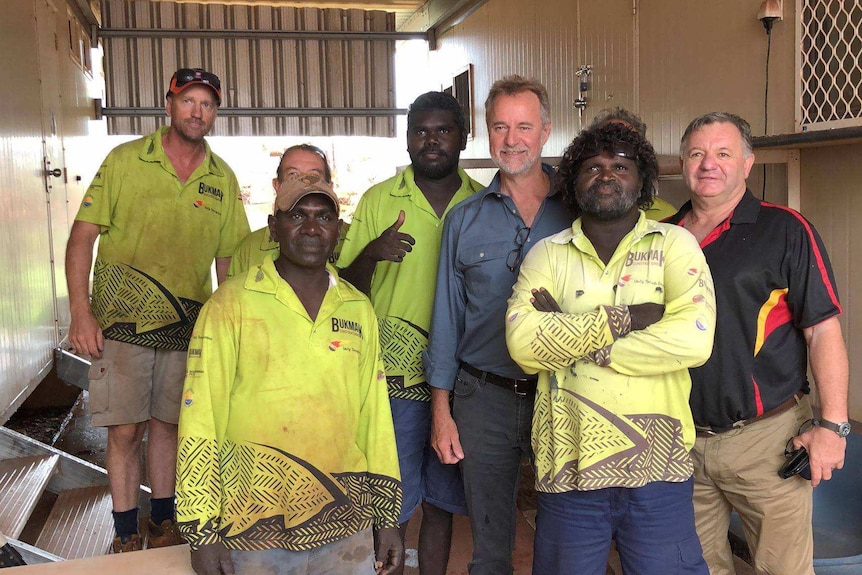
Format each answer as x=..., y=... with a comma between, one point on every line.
x=611, y=313
x=660, y=209
x=604, y=138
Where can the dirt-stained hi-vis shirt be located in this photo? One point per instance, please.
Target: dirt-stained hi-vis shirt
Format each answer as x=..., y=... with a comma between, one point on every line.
x=158, y=240
x=403, y=292
x=612, y=403
x=259, y=245
x=285, y=435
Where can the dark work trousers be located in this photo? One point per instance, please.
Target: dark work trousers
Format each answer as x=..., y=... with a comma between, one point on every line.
x=494, y=428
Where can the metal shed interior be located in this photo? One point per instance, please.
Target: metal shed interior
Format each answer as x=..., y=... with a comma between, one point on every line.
x=668, y=61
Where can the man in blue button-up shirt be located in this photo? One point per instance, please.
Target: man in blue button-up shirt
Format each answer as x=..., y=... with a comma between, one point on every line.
x=484, y=241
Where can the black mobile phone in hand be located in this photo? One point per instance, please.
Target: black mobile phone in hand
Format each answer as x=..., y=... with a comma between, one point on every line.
x=797, y=463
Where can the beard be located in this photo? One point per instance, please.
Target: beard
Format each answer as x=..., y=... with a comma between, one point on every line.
x=606, y=208
x=434, y=170
x=192, y=132
x=515, y=169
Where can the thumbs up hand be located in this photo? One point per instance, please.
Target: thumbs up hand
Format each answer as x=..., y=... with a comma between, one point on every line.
x=392, y=245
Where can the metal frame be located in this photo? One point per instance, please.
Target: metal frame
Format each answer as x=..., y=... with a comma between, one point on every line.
x=824, y=120
x=259, y=34
x=266, y=112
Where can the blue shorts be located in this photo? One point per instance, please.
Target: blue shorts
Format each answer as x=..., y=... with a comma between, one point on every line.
x=423, y=477
x=653, y=526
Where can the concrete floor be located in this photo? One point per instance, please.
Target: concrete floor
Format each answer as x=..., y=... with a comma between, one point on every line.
x=83, y=440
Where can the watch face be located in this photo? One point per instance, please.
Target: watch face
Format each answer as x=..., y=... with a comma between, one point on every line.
x=844, y=429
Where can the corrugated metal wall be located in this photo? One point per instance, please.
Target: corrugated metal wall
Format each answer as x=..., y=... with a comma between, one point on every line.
x=542, y=39
x=258, y=73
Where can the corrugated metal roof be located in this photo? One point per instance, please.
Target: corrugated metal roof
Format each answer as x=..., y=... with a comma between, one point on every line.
x=255, y=72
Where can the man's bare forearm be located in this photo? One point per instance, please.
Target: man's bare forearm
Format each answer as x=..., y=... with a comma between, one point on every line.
x=79, y=260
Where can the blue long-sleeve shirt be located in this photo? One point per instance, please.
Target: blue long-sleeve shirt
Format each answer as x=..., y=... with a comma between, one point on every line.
x=474, y=281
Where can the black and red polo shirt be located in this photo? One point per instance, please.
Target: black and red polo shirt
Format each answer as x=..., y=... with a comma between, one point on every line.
x=772, y=279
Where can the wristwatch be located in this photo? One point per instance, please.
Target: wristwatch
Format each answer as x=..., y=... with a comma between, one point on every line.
x=842, y=429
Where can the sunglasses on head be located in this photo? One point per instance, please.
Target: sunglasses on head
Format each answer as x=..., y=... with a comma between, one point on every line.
x=186, y=75
x=614, y=148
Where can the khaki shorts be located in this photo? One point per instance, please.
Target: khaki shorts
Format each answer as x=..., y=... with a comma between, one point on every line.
x=133, y=383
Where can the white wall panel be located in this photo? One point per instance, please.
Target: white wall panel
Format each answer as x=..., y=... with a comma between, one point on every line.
x=543, y=40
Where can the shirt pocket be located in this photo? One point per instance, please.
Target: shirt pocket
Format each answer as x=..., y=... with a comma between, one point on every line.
x=485, y=270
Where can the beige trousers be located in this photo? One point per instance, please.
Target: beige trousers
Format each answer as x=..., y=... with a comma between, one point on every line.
x=738, y=470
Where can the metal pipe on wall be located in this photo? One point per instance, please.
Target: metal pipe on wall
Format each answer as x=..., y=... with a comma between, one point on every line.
x=118, y=112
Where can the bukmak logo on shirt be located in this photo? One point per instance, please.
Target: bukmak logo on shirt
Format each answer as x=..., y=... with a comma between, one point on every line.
x=346, y=326
x=210, y=191
x=647, y=257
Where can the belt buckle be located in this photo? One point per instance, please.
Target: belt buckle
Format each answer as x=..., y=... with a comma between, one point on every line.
x=516, y=389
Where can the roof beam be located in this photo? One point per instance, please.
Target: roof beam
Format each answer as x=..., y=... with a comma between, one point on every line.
x=258, y=34
x=437, y=16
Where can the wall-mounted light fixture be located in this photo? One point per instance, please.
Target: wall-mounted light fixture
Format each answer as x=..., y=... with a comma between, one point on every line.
x=770, y=11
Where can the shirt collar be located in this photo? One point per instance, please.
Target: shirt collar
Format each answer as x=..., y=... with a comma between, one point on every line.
x=643, y=227
x=267, y=243
x=747, y=210
x=405, y=183
x=494, y=186
x=153, y=151
x=265, y=279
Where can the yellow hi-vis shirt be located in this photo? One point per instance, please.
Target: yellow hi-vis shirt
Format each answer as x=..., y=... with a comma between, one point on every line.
x=403, y=292
x=660, y=209
x=259, y=246
x=285, y=434
x=612, y=404
x=158, y=239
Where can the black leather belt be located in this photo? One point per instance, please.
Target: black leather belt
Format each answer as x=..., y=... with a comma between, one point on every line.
x=521, y=387
x=713, y=431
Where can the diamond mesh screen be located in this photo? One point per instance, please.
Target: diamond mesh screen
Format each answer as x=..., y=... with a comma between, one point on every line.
x=830, y=66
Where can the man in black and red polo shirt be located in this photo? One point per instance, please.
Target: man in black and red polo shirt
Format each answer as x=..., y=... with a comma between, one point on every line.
x=777, y=305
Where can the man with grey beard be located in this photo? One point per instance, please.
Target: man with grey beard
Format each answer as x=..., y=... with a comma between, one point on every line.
x=487, y=429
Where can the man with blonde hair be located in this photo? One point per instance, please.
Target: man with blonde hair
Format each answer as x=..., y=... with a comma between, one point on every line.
x=164, y=208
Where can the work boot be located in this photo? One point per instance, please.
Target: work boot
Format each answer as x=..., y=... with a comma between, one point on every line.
x=9, y=557
x=164, y=534
x=125, y=545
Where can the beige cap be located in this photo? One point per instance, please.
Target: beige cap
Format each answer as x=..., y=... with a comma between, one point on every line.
x=295, y=188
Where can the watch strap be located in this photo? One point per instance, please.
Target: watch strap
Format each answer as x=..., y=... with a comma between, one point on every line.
x=842, y=429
